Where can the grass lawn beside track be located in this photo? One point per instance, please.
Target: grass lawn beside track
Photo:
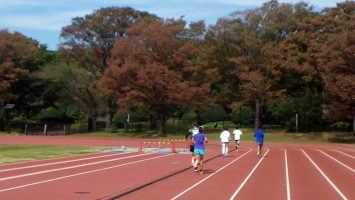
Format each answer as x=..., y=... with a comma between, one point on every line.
x=21, y=153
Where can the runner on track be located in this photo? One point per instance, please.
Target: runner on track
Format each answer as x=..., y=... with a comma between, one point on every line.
x=237, y=133
x=225, y=137
x=192, y=131
x=199, y=140
x=259, y=139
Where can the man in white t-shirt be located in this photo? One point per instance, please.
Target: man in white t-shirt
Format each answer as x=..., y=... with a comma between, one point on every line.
x=237, y=133
x=225, y=137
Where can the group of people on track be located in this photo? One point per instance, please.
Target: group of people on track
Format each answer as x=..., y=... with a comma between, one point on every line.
x=199, y=139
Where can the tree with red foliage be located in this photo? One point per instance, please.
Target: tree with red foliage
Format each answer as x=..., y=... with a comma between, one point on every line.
x=15, y=51
x=147, y=67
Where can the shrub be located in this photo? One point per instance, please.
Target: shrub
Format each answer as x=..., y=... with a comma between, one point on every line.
x=341, y=126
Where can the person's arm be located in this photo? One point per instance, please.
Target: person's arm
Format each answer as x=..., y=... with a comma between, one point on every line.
x=188, y=134
x=206, y=140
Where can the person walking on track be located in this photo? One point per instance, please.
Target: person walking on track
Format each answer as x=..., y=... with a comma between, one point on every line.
x=225, y=137
x=259, y=139
x=192, y=131
x=199, y=140
x=237, y=133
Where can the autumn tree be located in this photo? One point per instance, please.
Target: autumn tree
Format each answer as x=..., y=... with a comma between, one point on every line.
x=148, y=67
x=337, y=61
x=243, y=56
x=16, y=52
x=89, y=42
x=320, y=55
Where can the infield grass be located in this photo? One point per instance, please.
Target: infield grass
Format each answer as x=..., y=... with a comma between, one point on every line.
x=21, y=153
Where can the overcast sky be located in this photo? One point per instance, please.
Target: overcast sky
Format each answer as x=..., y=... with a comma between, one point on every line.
x=42, y=20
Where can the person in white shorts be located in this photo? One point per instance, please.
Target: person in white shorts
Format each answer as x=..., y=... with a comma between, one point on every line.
x=237, y=133
x=225, y=137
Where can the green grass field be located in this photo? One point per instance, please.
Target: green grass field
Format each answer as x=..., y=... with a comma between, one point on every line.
x=20, y=153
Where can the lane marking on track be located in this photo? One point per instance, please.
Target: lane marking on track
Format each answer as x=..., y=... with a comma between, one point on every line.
x=247, y=178
x=56, y=163
x=344, y=165
x=65, y=168
x=209, y=176
x=345, y=154
x=81, y=173
x=325, y=176
x=287, y=178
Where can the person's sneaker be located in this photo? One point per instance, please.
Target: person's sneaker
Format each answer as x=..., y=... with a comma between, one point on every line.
x=201, y=171
x=195, y=164
x=195, y=169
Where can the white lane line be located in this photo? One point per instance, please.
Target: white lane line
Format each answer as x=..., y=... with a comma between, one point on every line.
x=247, y=178
x=325, y=176
x=345, y=154
x=49, y=159
x=209, y=176
x=81, y=173
x=287, y=178
x=65, y=168
x=56, y=163
x=344, y=165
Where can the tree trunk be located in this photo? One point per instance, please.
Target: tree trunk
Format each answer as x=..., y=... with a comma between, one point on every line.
x=257, y=114
x=153, y=122
x=162, y=128
x=111, y=109
x=109, y=118
x=91, y=124
x=198, y=117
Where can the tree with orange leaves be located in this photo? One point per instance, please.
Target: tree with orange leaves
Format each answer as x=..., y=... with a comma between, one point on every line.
x=147, y=67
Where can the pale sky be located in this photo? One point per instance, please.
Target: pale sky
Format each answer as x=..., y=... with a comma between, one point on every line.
x=42, y=20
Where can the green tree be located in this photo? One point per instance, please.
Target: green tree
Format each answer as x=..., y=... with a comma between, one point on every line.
x=89, y=41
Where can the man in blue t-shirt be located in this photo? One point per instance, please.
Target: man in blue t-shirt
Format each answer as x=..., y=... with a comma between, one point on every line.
x=199, y=140
x=259, y=139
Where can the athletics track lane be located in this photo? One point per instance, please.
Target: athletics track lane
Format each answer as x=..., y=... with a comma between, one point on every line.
x=269, y=179
x=304, y=179
x=99, y=183
x=340, y=175
x=306, y=182
x=221, y=177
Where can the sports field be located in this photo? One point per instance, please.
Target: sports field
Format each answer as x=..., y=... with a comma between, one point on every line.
x=285, y=171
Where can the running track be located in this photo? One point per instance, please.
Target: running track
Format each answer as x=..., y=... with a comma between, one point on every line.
x=286, y=171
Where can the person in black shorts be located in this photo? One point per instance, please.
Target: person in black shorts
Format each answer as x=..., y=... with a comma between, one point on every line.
x=192, y=131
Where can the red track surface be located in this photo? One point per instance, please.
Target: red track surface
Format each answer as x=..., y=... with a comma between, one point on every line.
x=286, y=171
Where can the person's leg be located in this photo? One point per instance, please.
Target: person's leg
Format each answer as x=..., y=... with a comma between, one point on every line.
x=226, y=149
x=201, y=160
x=193, y=159
x=260, y=148
x=236, y=144
x=223, y=148
x=257, y=148
x=197, y=161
